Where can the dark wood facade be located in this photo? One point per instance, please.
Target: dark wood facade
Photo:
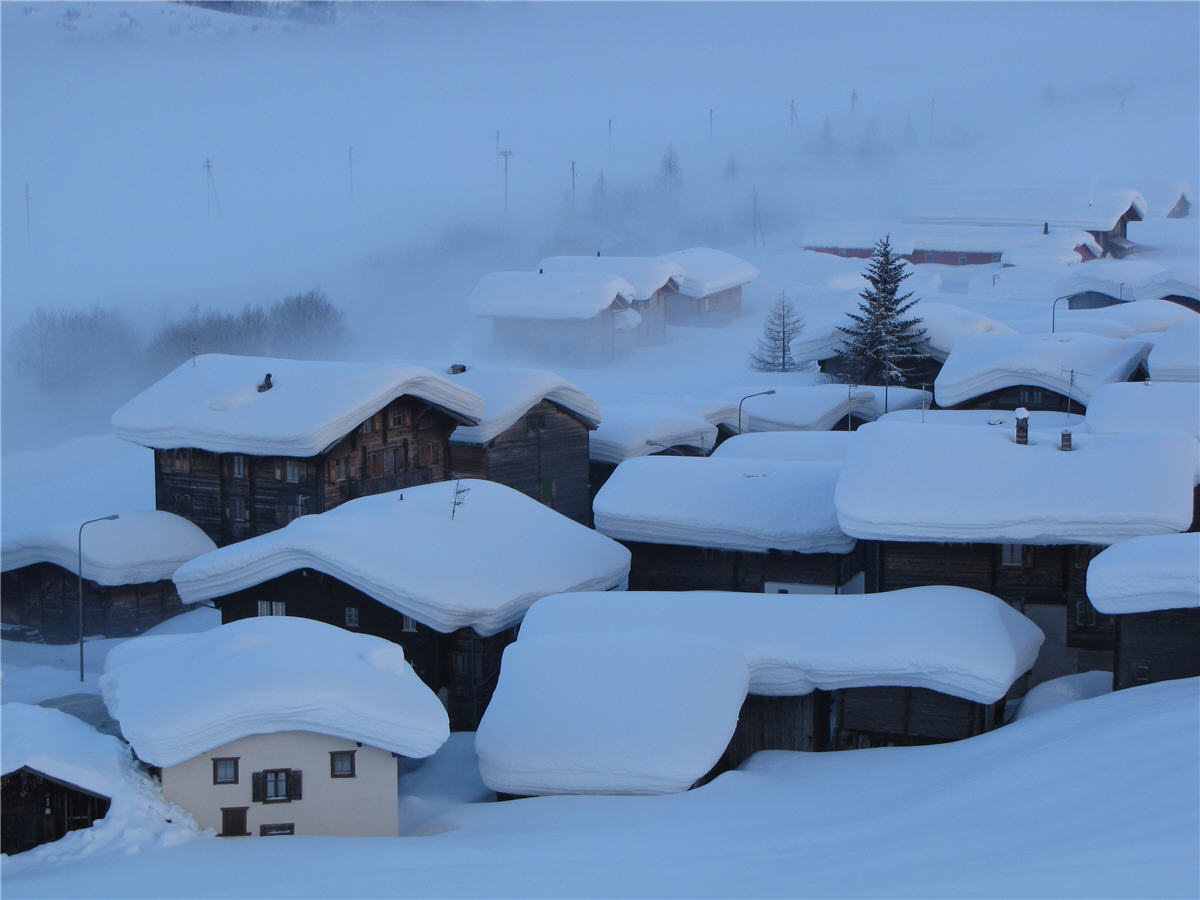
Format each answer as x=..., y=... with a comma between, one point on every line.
x=579, y=342
x=1156, y=646
x=460, y=667
x=38, y=809
x=544, y=455
x=233, y=496
x=907, y=716
x=714, y=309
x=674, y=567
x=45, y=597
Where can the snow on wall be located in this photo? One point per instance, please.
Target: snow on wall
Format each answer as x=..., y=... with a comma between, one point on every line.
x=647, y=274
x=269, y=674
x=553, y=295
x=213, y=403
x=1067, y=689
x=1143, y=574
x=905, y=481
x=644, y=713
x=959, y=641
x=628, y=429
x=754, y=505
x=509, y=393
x=140, y=546
x=1176, y=354
x=983, y=363
x=708, y=271
x=480, y=569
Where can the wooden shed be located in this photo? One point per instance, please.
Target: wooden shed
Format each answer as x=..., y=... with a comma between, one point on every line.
x=38, y=808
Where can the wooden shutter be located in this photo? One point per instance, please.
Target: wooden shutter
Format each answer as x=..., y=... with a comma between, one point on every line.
x=293, y=784
x=258, y=787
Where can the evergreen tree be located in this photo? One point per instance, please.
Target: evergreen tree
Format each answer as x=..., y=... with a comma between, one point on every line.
x=881, y=343
x=774, y=352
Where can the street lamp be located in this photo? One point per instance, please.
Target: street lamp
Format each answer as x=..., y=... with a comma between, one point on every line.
x=744, y=399
x=79, y=572
x=664, y=447
x=1066, y=297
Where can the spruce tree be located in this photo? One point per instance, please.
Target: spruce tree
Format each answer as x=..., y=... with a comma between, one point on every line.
x=774, y=352
x=880, y=344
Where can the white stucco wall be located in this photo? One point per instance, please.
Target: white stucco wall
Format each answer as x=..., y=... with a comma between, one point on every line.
x=366, y=804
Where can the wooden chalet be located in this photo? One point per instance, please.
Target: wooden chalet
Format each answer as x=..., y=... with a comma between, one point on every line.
x=1156, y=646
x=709, y=291
x=248, y=467
x=39, y=808
x=654, y=279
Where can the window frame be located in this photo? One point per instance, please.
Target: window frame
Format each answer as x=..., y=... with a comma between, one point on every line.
x=272, y=607
x=334, y=755
x=276, y=777
x=237, y=465
x=352, y=617
x=277, y=829
x=216, y=762
x=291, y=471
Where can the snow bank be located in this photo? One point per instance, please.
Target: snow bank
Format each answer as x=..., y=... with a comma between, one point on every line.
x=955, y=640
x=509, y=393
x=1085, y=210
x=1044, y=420
x=403, y=549
x=798, y=446
x=983, y=363
x=641, y=428
x=754, y=505
x=1176, y=354
x=644, y=713
x=1068, y=689
x=213, y=403
x=1148, y=573
x=1124, y=407
x=553, y=295
x=258, y=676
x=907, y=482
x=647, y=274
x=708, y=271
x=141, y=546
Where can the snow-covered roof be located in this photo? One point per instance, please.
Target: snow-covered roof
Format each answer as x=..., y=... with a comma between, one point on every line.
x=909, y=482
x=1162, y=195
x=1002, y=419
x=956, y=640
x=1176, y=353
x=647, y=274
x=1087, y=210
x=480, y=569
x=1143, y=574
x=806, y=446
x=906, y=238
x=552, y=295
x=819, y=407
x=1126, y=406
x=269, y=674
x=643, y=713
x=509, y=393
x=707, y=271
x=945, y=324
x=982, y=363
x=57, y=744
x=754, y=505
x=141, y=546
x=643, y=427
x=1179, y=280
x=213, y=403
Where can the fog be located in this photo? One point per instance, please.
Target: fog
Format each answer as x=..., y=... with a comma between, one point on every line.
x=358, y=155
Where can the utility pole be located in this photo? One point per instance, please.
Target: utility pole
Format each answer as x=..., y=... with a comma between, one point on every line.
x=28, y=226
x=853, y=99
x=506, y=154
x=710, y=131
x=210, y=196
x=756, y=221
x=497, y=151
x=794, y=118
x=610, y=142
x=352, y=173
x=572, y=186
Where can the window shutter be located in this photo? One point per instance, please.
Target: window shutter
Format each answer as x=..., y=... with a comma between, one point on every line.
x=258, y=787
x=293, y=782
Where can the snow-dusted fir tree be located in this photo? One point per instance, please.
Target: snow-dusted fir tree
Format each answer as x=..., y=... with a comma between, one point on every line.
x=880, y=344
x=774, y=353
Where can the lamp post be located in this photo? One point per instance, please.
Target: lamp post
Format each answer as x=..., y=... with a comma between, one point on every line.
x=850, y=386
x=79, y=572
x=1066, y=297
x=650, y=443
x=747, y=397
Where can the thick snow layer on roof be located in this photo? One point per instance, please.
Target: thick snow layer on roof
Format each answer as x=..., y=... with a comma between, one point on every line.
x=1126, y=406
x=1160, y=571
x=799, y=446
x=1176, y=354
x=1087, y=210
x=641, y=428
x=1050, y=421
x=906, y=238
x=1162, y=195
x=708, y=271
x=141, y=546
x=911, y=482
x=817, y=407
x=647, y=274
x=643, y=713
x=57, y=744
x=1067, y=689
x=403, y=549
x=508, y=393
x=955, y=640
x=213, y=403
x=552, y=295
x=269, y=674
x=983, y=363
x=945, y=324
x=754, y=505
x=1180, y=280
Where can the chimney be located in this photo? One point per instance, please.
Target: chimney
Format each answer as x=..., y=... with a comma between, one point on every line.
x=266, y=385
x=1022, y=416
x=457, y=369
x=1065, y=443
x=1045, y=228
x=540, y=272
x=597, y=253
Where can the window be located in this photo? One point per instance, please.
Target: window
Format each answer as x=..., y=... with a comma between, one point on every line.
x=1085, y=614
x=225, y=770
x=237, y=507
x=275, y=786
x=368, y=426
x=996, y=257
x=547, y=490
x=1012, y=554
x=181, y=461
x=341, y=764
x=237, y=465
x=279, y=828
x=272, y=608
x=409, y=624
x=962, y=259
x=183, y=504
x=291, y=471
x=928, y=256
x=1031, y=397
x=233, y=821
x=339, y=469
x=351, y=616
x=396, y=418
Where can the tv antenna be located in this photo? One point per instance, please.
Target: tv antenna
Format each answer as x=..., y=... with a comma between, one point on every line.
x=506, y=154
x=210, y=196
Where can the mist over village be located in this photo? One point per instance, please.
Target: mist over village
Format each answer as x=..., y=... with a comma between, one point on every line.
x=627, y=449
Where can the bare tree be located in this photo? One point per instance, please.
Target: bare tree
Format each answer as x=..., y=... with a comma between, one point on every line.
x=774, y=353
